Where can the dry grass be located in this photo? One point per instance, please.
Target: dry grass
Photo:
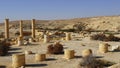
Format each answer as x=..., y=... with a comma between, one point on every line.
x=103, y=37
x=92, y=62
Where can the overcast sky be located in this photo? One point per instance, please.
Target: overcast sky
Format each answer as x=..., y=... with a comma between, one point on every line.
x=57, y=9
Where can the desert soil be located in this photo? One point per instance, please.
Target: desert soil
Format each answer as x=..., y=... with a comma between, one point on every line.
x=57, y=61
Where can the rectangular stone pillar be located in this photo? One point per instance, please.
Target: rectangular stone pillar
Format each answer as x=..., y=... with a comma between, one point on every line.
x=21, y=28
x=6, y=28
x=33, y=28
x=103, y=47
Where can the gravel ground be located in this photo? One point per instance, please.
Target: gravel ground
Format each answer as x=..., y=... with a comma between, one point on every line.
x=57, y=61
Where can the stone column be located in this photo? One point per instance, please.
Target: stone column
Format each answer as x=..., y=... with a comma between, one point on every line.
x=33, y=28
x=46, y=39
x=20, y=41
x=103, y=47
x=21, y=28
x=6, y=28
x=68, y=36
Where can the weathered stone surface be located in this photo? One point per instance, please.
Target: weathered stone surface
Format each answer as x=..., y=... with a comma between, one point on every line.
x=18, y=60
x=40, y=57
x=68, y=36
x=69, y=54
x=86, y=52
x=28, y=52
x=103, y=47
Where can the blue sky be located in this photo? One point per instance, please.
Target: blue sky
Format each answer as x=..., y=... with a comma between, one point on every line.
x=57, y=9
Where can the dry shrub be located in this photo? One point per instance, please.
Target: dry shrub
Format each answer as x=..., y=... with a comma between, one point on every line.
x=92, y=62
x=105, y=63
x=50, y=49
x=111, y=37
x=25, y=33
x=100, y=37
x=103, y=37
x=89, y=62
x=4, y=47
x=56, y=48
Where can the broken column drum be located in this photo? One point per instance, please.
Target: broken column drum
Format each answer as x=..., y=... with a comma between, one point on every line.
x=68, y=36
x=18, y=60
x=86, y=52
x=40, y=57
x=69, y=54
x=103, y=47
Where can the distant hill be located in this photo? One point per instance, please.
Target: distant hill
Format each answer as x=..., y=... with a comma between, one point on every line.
x=97, y=23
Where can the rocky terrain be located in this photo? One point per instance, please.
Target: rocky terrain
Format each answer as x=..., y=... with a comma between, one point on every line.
x=79, y=41
x=110, y=23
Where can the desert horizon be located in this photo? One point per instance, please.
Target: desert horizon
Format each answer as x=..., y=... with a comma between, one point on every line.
x=85, y=36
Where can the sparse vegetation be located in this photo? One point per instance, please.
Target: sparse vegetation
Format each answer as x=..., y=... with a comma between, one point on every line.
x=92, y=62
x=25, y=33
x=4, y=47
x=100, y=37
x=103, y=37
x=79, y=26
x=80, y=29
x=56, y=48
x=68, y=30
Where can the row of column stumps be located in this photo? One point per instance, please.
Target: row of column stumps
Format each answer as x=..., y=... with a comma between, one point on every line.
x=47, y=38
x=18, y=60
x=103, y=47
x=21, y=28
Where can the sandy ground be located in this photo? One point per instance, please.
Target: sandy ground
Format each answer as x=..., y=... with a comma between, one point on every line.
x=57, y=61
